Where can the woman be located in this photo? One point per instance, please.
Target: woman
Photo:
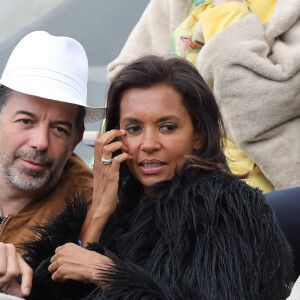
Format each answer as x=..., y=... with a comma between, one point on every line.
x=184, y=227
x=245, y=62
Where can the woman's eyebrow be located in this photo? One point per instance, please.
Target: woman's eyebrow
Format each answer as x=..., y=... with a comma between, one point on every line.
x=129, y=119
x=169, y=117
x=162, y=119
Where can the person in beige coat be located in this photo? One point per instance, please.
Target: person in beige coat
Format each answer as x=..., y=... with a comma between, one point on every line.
x=254, y=71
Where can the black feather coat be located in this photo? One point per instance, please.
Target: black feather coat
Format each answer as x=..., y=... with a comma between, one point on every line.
x=199, y=236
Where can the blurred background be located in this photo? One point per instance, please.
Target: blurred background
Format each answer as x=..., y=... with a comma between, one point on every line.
x=101, y=26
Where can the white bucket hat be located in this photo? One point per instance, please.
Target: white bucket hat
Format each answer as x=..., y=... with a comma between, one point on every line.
x=51, y=67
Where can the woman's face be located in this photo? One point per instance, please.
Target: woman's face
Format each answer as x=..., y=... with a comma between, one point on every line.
x=159, y=132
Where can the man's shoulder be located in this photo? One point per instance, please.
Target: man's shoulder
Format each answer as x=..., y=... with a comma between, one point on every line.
x=76, y=178
x=78, y=172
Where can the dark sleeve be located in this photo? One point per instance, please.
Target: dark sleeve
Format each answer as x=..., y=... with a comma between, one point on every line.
x=128, y=281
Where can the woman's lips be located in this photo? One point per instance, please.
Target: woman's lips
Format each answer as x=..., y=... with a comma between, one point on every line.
x=151, y=166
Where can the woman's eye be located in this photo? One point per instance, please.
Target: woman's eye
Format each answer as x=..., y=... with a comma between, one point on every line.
x=169, y=127
x=133, y=129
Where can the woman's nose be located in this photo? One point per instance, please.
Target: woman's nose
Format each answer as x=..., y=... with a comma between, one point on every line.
x=150, y=142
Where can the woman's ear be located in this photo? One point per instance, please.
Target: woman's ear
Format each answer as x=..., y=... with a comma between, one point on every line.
x=198, y=143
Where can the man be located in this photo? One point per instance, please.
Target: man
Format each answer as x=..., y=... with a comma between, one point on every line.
x=43, y=106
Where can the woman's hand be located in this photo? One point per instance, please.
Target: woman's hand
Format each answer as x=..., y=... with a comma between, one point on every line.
x=106, y=176
x=220, y=2
x=106, y=182
x=74, y=262
x=11, y=266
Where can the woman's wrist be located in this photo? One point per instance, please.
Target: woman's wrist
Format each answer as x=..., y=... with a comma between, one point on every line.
x=99, y=212
x=98, y=263
x=93, y=227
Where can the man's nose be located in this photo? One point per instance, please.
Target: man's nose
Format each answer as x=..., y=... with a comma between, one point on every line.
x=150, y=141
x=40, y=138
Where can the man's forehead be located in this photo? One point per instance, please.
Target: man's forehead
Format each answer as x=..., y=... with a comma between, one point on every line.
x=41, y=106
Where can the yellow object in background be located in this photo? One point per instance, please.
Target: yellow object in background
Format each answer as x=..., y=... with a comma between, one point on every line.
x=239, y=163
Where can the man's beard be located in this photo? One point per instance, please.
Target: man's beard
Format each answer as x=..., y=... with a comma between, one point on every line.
x=27, y=179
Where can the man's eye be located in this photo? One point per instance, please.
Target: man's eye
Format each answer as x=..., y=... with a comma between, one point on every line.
x=25, y=121
x=62, y=130
x=168, y=127
x=133, y=129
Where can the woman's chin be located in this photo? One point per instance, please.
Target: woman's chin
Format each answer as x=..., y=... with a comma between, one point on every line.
x=148, y=181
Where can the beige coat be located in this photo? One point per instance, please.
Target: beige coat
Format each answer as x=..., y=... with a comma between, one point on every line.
x=254, y=70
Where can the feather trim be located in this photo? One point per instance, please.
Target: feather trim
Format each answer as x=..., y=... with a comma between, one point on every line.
x=199, y=236
x=61, y=229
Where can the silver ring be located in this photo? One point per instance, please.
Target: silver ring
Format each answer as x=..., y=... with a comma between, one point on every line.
x=106, y=161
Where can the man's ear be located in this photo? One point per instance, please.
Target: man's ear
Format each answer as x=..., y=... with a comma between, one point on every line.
x=77, y=140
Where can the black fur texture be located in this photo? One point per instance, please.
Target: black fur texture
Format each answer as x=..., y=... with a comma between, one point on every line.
x=60, y=230
x=199, y=236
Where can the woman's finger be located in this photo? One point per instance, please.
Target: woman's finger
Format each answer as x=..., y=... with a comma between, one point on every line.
x=53, y=267
x=59, y=248
x=58, y=277
x=111, y=171
x=105, y=139
x=58, y=274
x=108, y=137
x=54, y=257
x=110, y=148
x=117, y=160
